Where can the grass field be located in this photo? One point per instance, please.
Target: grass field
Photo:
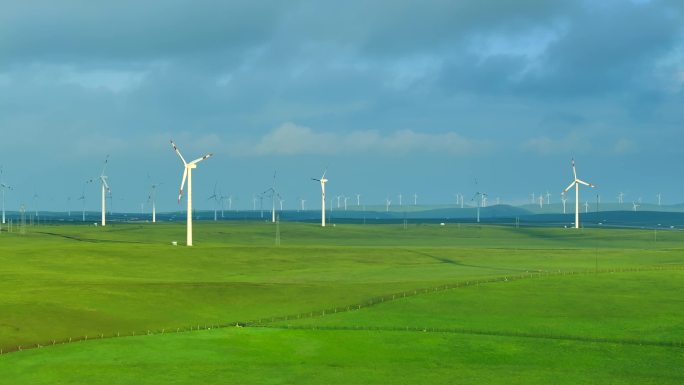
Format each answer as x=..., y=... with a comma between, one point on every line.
x=345, y=304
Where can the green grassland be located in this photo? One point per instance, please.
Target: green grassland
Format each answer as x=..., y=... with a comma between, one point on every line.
x=550, y=305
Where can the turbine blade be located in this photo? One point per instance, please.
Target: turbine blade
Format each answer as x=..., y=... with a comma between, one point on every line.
x=105, y=165
x=585, y=183
x=180, y=193
x=175, y=148
x=574, y=172
x=569, y=187
x=202, y=158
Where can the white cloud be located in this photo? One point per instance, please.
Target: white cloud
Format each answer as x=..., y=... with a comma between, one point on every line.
x=543, y=145
x=113, y=81
x=292, y=139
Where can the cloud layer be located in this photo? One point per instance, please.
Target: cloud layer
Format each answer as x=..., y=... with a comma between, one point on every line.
x=463, y=88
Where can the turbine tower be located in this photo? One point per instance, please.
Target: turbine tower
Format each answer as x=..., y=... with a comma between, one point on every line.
x=187, y=173
x=152, y=198
x=105, y=190
x=575, y=183
x=323, y=181
x=479, y=197
x=3, y=187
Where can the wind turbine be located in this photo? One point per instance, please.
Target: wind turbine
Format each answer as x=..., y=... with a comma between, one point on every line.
x=659, y=197
x=323, y=181
x=635, y=206
x=415, y=199
x=388, y=203
x=541, y=201
x=358, y=199
x=187, y=173
x=575, y=183
x=479, y=196
x=3, y=187
x=400, y=196
x=152, y=198
x=274, y=194
x=83, y=198
x=345, y=203
x=35, y=203
x=105, y=189
x=563, y=199
x=586, y=207
x=548, y=197
x=302, y=201
x=215, y=197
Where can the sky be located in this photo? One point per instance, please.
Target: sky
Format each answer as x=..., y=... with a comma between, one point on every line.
x=432, y=98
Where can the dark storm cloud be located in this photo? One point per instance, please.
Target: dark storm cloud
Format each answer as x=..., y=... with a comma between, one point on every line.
x=445, y=87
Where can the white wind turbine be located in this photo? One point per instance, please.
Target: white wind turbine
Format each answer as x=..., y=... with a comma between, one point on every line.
x=563, y=199
x=575, y=183
x=635, y=206
x=187, y=173
x=415, y=199
x=215, y=197
x=83, y=198
x=659, y=195
x=152, y=198
x=345, y=202
x=323, y=181
x=358, y=200
x=274, y=194
x=105, y=190
x=3, y=187
x=388, y=203
x=479, y=197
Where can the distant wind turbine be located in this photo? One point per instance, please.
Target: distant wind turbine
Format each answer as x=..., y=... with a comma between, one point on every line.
x=575, y=183
x=3, y=187
x=323, y=181
x=563, y=199
x=105, y=190
x=187, y=173
x=152, y=198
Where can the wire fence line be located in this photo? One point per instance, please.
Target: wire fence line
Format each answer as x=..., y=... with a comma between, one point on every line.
x=374, y=301
x=497, y=333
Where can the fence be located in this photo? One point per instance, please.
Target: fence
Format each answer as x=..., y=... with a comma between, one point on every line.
x=264, y=322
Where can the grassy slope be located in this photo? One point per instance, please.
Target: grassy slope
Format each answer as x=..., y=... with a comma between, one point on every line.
x=128, y=277
x=274, y=356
